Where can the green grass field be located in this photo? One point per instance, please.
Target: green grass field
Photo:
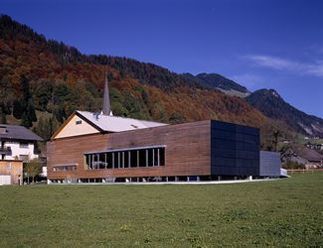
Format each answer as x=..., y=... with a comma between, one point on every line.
x=285, y=213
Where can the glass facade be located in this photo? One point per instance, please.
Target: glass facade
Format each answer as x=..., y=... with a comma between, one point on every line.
x=126, y=158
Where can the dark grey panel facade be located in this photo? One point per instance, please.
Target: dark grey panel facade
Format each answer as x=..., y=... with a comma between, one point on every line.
x=234, y=150
x=270, y=164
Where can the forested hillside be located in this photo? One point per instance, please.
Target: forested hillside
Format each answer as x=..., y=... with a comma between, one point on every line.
x=52, y=79
x=43, y=81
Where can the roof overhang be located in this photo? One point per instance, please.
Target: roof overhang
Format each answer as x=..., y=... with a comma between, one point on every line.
x=126, y=149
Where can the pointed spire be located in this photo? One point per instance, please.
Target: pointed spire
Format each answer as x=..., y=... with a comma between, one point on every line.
x=106, y=110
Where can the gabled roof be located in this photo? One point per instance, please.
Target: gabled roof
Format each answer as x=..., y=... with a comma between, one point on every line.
x=110, y=123
x=309, y=154
x=14, y=132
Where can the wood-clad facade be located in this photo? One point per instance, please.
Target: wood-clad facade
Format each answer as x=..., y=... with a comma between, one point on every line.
x=187, y=153
x=100, y=147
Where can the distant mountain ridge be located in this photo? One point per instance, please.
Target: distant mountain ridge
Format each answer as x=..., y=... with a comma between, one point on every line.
x=271, y=104
x=219, y=82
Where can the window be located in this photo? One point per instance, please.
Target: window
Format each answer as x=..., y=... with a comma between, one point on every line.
x=134, y=158
x=142, y=158
x=23, y=145
x=78, y=122
x=64, y=168
x=126, y=158
x=3, y=130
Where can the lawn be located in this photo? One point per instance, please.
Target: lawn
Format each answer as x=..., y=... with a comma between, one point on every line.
x=285, y=213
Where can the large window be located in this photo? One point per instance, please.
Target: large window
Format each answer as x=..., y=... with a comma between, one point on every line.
x=126, y=158
x=64, y=168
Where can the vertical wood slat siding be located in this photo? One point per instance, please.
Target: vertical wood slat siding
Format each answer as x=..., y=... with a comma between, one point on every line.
x=187, y=151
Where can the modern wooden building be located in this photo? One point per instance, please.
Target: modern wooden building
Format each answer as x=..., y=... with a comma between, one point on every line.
x=205, y=150
x=93, y=147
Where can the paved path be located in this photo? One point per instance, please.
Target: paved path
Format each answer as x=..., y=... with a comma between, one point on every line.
x=179, y=183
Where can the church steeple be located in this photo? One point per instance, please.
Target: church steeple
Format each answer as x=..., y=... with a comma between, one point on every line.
x=106, y=110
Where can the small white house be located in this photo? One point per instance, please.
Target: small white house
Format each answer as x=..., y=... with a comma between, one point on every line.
x=17, y=143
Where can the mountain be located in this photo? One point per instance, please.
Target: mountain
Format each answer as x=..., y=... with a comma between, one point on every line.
x=271, y=104
x=43, y=81
x=219, y=82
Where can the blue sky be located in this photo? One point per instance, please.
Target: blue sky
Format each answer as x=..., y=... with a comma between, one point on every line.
x=258, y=43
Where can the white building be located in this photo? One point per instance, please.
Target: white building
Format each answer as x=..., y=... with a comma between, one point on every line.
x=17, y=143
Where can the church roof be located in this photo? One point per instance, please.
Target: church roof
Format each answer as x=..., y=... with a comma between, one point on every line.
x=111, y=123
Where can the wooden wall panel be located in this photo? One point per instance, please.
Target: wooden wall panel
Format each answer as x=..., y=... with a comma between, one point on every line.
x=187, y=151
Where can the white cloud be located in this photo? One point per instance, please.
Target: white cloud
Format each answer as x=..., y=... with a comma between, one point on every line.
x=277, y=63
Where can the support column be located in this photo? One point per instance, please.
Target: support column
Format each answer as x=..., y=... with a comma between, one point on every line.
x=146, y=157
x=158, y=157
x=153, y=156
x=119, y=160
x=122, y=159
x=92, y=161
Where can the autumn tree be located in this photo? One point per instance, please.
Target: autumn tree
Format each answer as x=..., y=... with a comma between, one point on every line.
x=32, y=169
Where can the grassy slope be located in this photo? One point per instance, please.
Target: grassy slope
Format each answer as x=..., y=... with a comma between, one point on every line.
x=281, y=213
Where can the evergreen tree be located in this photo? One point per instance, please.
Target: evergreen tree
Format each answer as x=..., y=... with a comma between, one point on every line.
x=3, y=115
x=24, y=84
x=24, y=108
x=42, y=92
x=59, y=113
x=26, y=121
x=18, y=109
x=30, y=110
x=110, y=77
x=46, y=127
